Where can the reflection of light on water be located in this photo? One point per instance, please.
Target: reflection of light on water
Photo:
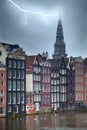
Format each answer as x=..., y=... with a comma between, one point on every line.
x=45, y=128
x=61, y=128
x=85, y=121
x=41, y=118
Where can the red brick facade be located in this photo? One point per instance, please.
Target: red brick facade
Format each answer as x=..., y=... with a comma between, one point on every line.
x=2, y=91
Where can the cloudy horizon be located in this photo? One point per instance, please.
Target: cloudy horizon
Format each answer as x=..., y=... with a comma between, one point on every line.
x=33, y=23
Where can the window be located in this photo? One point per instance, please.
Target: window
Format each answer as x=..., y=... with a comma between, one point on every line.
x=51, y=81
x=2, y=75
x=14, y=85
x=57, y=88
x=1, y=83
x=1, y=93
x=14, y=98
x=54, y=97
x=9, y=108
x=14, y=64
x=9, y=73
x=1, y=100
x=18, y=98
x=22, y=97
x=35, y=86
x=55, y=82
x=54, y=75
x=22, y=107
x=9, y=84
x=15, y=109
x=35, y=97
x=9, y=63
x=1, y=110
x=63, y=71
x=62, y=79
x=18, y=74
x=57, y=74
x=9, y=98
x=54, y=88
x=36, y=69
x=14, y=74
x=18, y=85
x=57, y=97
x=51, y=97
x=36, y=77
x=22, y=74
x=18, y=64
x=22, y=64
x=51, y=88
x=51, y=74
x=22, y=85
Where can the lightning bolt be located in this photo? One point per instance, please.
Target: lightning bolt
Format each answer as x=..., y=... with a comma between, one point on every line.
x=29, y=11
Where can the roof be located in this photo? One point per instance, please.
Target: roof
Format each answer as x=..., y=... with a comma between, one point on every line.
x=29, y=63
x=10, y=47
x=30, y=60
x=57, y=63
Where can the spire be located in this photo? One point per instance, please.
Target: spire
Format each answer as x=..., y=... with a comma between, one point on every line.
x=59, y=33
x=59, y=46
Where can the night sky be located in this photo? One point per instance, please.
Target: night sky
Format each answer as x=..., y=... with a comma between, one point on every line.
x=33, y=23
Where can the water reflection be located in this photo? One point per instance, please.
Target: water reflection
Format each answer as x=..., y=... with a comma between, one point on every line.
x=63, y=121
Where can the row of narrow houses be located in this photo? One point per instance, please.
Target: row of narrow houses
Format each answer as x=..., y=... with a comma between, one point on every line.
x=38, y=83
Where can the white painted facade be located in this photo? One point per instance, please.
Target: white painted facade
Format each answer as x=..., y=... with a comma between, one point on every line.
x=29, y=82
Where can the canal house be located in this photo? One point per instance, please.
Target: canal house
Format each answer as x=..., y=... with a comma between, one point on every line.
x=13, y=57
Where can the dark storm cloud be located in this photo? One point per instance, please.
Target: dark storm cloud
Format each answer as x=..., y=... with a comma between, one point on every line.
x=36, y=33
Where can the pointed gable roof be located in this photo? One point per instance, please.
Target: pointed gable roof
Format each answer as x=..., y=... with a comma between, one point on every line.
x=30, y=61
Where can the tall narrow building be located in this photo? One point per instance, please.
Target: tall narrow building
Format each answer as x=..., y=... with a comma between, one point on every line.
x=59, y=46
x=13, y=57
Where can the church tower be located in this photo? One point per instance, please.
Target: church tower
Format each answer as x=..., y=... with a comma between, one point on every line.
x=59, y=46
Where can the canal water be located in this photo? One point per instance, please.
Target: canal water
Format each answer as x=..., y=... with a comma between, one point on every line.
x=56, y=121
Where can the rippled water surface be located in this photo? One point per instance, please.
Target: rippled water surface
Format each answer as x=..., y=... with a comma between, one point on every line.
x=63, y=121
